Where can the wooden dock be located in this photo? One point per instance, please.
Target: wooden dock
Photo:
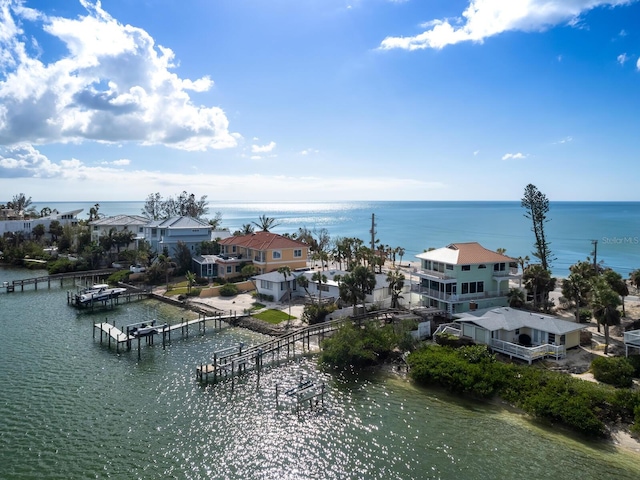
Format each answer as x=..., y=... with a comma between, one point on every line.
x=232, y=362
x=125, y=336
x=112, y=301
x=89, y=275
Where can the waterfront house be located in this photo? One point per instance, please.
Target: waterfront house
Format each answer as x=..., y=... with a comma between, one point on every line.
x=25, y=225
x=464, y=276
x=118, y=223
x=267, y=251
x=274, y=284
x=519, y=333
x=168, y=232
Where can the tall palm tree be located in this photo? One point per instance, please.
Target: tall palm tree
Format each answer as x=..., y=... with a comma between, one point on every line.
x=350, y=291
x=395, y=279
x=401, y=252
x=191, y=278
x=264, y=223
x=320, y=278
x=605, y=303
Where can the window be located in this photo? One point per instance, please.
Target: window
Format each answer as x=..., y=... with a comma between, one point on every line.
x=449, y=267
x=480, y=287
x=323, y=288
x=233, y=249
x=498, y=267
x=141, y=229
x=229, y=270
x=95, y=228
x=481, y=266
x=551, y=338
x=276, y=254
x=238, y=269
x=266, y=285
x=466, y=268
x=154, y=232
x=297, y=253
x=465, y=288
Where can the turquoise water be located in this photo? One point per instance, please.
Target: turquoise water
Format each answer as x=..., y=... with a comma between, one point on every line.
x=417, y=226
x=72, y=408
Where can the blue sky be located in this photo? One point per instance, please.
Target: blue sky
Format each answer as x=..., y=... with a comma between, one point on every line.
x=319, y=100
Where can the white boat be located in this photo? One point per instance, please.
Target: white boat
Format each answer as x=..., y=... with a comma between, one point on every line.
x=94, y=288
x=103, y=293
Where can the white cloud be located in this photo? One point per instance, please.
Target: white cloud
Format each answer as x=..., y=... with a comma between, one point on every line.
x=514, y=156
x=113, y=84
x=263, y=148
x=485, y=18
x=622, y=58
x=564, y=140
x=309, y=151
x=638, y=64
x=255, y=157
x=118, y=163
x=476, y=152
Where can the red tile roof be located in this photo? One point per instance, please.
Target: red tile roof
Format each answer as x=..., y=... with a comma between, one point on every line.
x=472, y=253
x=263, y=241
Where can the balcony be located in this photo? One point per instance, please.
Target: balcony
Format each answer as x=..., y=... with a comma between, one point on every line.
x=528, y=353
x=447, y=297
x=510, y=272
x=432, y=274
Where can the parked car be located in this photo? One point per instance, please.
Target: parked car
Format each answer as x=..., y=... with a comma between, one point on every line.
x=137, y=268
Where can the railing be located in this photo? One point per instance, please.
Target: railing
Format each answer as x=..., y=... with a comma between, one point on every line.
x=632, y=337
x=506, y=273
x=458, y=298
x=448, y=328
x=434, y=274
x=528, y=353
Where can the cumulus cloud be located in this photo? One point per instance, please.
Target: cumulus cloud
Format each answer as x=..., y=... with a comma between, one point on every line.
x=485, y=18
x=514, y=156
x=112, y=84
x=263, y=148
x=622, y=58
x=118, y=163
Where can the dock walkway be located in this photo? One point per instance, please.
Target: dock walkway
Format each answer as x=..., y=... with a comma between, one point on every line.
x=135, y=332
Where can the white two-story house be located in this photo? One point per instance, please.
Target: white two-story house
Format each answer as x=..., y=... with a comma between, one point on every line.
x=464, y=276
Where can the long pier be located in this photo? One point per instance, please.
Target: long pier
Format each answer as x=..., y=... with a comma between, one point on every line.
x=94, y=275
x=107, y=302
x=125, y=336
x=236, y=361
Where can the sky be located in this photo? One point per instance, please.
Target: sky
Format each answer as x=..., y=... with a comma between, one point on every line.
x=319, y=100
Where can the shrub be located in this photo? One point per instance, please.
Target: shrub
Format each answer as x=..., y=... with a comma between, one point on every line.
x=313, y=313
x=634, y=360
x=228, y=290
x=616, y=371
x=119, y=276
x=195, y=292
x=202, y=281
x=262, y=296
x=357, y=347
x=62, y=265
x=585, y=315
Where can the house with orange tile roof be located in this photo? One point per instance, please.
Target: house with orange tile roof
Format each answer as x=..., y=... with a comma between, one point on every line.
x=464, y=276
x=265, y=250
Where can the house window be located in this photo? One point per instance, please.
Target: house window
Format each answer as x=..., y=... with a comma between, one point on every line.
x=154, y=232
x=95, y=228
x=238, y=269
x=465, y=288
x=449, y=267
x=276, y=254
x=233, y=249
x=466, y=268
x=551, y=338
x=162, y=232
x=297, y=253
x=323, y=288
x=266, y=285
x=481, y=266
x=229, y=270
x=498, y=267
x=480, y=288
x=140, y=230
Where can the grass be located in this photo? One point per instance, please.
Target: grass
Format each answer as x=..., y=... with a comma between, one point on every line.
x=273, y=316
x=257, y=306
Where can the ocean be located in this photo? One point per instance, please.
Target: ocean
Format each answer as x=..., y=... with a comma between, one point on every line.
x=73, y=408
x=573, y=228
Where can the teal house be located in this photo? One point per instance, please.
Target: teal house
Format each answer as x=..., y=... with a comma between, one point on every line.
x=462, y=277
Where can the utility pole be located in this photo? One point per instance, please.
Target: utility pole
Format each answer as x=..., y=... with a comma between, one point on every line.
x=595, y=255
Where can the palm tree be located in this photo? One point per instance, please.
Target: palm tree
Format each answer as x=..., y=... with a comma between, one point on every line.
x=539, y=281
x=366, y=280
x=617, y=284
x=395, y=279
x=516, y=298
x=191, y=278
x=264, y=223
x=605, y=303
x=303, y=281
x=523, y=262
x=401, y=252
x=501, y=250
x=320, y=278
x=350, y=291
x=577, y=288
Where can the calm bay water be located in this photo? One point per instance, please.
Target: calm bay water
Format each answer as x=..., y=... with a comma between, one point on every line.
x=72, y=408
x=416, y=226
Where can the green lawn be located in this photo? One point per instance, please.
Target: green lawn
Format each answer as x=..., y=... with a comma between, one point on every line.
x=273, y=316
